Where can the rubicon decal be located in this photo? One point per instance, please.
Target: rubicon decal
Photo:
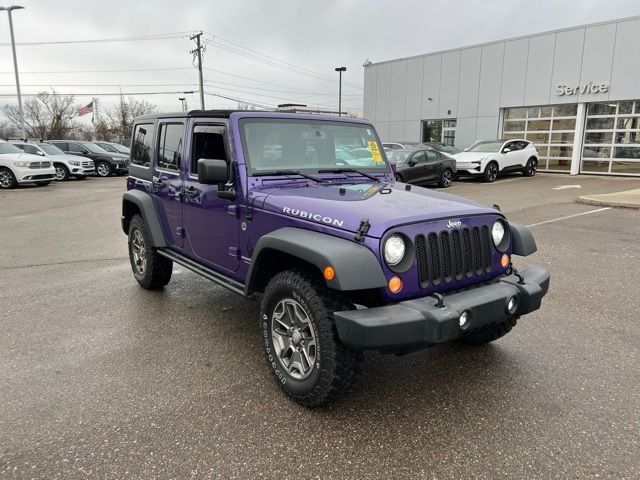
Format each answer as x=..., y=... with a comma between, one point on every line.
x=313, y=216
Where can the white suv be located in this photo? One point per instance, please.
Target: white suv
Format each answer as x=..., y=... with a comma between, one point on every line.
x=19, y=167
x=488, y=158
x=66, y=165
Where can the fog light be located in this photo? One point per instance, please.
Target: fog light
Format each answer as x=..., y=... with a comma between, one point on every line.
x=464, y=319
x=395, y=284
x=512, y=306
x=504, y=261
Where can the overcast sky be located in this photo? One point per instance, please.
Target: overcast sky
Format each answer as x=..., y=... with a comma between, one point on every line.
x=314, y=35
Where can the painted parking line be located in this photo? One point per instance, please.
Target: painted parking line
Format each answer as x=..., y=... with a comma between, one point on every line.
x=570, y=216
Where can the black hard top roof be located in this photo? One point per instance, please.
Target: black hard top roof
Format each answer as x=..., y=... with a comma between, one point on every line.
x=191, y=113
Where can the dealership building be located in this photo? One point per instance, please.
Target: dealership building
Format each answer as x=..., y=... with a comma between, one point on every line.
x=575, y=93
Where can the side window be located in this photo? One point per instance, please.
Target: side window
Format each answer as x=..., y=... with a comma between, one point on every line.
x=62, y=146
x=170, y=146
x=76, y=147
x=21, y=147
x=142, y=141
x=31, y=149
x=419, y=157
x=431, y=155
x=208, y=142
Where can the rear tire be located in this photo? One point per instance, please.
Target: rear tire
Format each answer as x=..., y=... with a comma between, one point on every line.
x=490, y=172
x=151, y=270
x=446, y=179
x=301, y=342
x=490, y=333
x=530, y=168
x=7, y=178
x=62, y=173
x=103, y=169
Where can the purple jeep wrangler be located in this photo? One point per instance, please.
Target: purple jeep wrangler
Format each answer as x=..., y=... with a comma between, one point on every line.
x=344, y=258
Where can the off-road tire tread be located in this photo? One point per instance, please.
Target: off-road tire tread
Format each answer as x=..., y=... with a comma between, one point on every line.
x=490, y=333
x=339, y=364
x=158, y=269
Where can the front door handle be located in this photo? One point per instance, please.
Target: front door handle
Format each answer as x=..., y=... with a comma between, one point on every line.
x=159, y=183
x=191, y=192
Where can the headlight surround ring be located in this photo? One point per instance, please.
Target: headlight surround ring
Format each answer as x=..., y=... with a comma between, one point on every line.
x=404, y=252
x=501, y=235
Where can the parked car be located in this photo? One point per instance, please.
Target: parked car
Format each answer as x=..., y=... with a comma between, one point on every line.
x=343, y=259
x=423, y=166
x=66, y=165
x=106, y=163
x=17, y=167
x=114, y=147
x=489, y=158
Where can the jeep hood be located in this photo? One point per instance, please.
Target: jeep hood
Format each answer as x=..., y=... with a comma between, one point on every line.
x=385, y=205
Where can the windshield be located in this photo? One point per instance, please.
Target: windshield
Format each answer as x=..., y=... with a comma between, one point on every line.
x=445, y=148
x=8, y=148
x=50, y=149
x=92, y=147
x=486, y=147
x=107, y=147
x=399, y=156
x=121, y=148
x=283, y=144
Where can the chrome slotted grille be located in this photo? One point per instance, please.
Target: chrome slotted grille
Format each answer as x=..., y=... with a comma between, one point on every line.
x=453, y=255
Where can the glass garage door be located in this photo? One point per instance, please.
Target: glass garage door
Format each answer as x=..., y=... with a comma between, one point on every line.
x=612, y=138
x=551, y=128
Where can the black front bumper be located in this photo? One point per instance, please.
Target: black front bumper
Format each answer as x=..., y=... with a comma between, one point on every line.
x=421, y=322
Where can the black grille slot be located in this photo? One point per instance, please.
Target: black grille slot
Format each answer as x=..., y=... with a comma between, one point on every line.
x=457, y=254
x=434, y=259
x=421, y=256
x=446, y=256
x=468, y=255
x=477, y=251
x=486, y=249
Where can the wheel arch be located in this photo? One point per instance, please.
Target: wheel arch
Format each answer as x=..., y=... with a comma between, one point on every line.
x=137, y=202
x=355, y=266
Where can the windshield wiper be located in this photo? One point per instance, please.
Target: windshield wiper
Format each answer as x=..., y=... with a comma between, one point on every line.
x=288, y=172
x=349, y=170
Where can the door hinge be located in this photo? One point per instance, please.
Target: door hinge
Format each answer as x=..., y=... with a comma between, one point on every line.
x=234, y=252
x=232, y=210
x=180, y=232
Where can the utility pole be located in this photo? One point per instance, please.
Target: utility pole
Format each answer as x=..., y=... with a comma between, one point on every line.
x=96, y=119
x=198, y=53
x=340, y=69
x=15, y=66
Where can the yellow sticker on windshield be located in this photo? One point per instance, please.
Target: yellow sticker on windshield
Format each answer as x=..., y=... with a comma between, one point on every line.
x=375, y=151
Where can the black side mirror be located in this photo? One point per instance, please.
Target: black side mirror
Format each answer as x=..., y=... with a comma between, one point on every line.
x=215, y=172
x=411, y=163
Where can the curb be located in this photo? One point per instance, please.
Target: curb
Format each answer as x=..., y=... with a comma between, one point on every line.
x=607, y=203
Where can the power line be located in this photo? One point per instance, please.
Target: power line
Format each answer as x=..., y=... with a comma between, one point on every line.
x=100, y=71
x=60, y=94
x=161, y=36
x=102, y=85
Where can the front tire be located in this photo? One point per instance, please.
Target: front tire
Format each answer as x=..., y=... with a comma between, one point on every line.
x=446, y=178
x=301, y=341
x=103, y=169
x=491, y=172
x=490, y=333
x=62, y=173
x=530, y=168
x=151, y=270
x=7, y=179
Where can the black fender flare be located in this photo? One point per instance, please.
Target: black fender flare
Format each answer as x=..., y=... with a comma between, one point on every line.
x=355, y=266
x=147, y=207
x=522, y=241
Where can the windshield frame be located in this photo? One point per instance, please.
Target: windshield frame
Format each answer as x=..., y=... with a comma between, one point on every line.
x=383, y=168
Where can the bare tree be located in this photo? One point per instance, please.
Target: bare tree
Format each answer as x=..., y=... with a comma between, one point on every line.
x=46, y=115
x=8, y=130
x=119, y=120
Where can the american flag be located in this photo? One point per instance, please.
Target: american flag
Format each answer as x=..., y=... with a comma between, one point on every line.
x=86, y=109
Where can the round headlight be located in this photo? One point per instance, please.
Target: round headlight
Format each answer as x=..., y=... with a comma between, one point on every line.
x=497, y=232
x=394, y=249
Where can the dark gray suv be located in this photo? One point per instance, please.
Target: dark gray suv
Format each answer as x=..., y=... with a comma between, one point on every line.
x=106, y=163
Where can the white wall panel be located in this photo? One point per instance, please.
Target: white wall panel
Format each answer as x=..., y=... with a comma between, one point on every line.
x=369, y=106
x=383, y=92
x=566, y=63
x=412, y=131
x=469, y=82
x=625, y=77
x=413, y=102
x=396, y=131
x=383, y=130
x=465, y=132
x=539, y=69
x=449, y=82
x=597, y=59
x=514, y=72
x=431, y=86
x=398, y=90
x=490, y=79
x=486, y=128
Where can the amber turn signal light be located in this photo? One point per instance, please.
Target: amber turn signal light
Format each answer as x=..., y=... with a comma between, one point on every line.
x=395, y=284
x=329, y=273
x=504, y=261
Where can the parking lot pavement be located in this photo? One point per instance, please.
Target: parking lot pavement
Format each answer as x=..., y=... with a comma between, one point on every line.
x=101, y=379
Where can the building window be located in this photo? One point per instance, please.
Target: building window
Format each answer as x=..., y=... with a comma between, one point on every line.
x=612, y=138
x=551, y=128
x=441, y=131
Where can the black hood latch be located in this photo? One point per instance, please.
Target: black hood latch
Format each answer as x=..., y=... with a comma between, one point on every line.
x=363, y=229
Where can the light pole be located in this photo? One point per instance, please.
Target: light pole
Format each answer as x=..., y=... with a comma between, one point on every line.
x=340, y=69
x=15, y=65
